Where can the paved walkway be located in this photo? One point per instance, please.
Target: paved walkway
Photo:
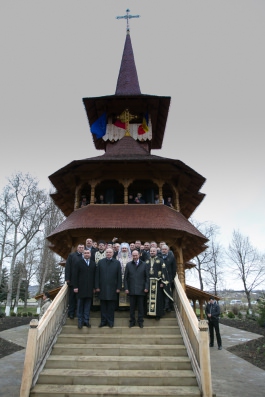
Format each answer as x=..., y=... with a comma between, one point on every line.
x=232, y=376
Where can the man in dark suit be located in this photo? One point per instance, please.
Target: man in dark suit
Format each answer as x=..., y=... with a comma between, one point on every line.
x=71, y=261
x=170, y=262
x=136, y=284
x=108, y=285
x=89, y=246
x=84, y=286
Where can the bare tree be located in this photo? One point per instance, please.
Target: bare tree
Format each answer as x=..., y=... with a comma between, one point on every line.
x=26, y=212
x=5, y=226
x=208, y=263
x=48, y=259
x=214, y=269
x=247, y=263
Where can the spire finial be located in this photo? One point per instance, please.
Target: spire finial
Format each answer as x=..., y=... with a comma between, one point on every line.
x=127, y=16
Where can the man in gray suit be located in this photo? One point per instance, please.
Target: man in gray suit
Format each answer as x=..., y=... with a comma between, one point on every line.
x=136, y=284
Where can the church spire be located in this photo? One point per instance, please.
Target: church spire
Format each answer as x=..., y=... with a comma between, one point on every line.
x=127, y=83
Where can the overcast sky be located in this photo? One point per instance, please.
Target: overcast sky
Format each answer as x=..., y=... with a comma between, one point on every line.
x=207, y=55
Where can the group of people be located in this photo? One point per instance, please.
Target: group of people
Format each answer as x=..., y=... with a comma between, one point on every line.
x=138, y=199
x=117, y=276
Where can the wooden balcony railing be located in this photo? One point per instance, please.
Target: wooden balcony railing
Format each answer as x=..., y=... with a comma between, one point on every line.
x=41, y=338
x=196, y=339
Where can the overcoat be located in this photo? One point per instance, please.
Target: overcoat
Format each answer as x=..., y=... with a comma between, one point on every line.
x=108, y=278
x=71, y=261
x=84, y=278
x=136, y=278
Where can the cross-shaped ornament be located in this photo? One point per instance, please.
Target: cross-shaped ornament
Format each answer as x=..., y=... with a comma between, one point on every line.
x=127, y=16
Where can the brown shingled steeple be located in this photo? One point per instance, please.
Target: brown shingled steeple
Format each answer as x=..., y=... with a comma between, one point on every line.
x=128, y=83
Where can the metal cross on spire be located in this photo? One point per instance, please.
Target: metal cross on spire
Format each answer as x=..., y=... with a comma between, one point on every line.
x=128, y=17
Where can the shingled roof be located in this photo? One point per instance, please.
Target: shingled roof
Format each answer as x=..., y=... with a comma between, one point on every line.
x=129, y=222
x=128, y=83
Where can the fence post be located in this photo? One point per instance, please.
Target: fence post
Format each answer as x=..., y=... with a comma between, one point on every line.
x=205, y=364
x=29, y=361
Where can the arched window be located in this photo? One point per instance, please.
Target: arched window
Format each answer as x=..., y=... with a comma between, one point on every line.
x=109, y=192
x=147, y=188
x=85, y=193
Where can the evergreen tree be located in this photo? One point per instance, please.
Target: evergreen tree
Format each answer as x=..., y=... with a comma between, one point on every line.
x=4, y=285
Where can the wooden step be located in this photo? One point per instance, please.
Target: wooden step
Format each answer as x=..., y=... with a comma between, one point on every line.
x=118, y=377
x=118, y=362
x=114, y=391
x=124, y=322
x=116, y=350
x=109, y=338
x=119, y=330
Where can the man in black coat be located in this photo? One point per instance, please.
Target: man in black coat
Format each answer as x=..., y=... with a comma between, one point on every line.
x=136, y=284
x=71, y=261
x=170, y=262
x=108, y=285
x=212, y=312
x=84, y=286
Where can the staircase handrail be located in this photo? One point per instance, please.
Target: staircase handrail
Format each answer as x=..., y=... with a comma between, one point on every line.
x=41, y=338
x=196, y=339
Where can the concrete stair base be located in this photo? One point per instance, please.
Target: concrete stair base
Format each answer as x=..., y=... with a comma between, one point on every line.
x=119, y=361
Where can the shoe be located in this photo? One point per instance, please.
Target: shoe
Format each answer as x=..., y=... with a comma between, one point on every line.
x=168, y=310
x=111, y=325
x=141, y=325
x=87, y=325
x=219, y=347
x=80, y=326
x=210, y=345
x=102, y=325
x=157, y=318
x=71, y=317
x=131, y=325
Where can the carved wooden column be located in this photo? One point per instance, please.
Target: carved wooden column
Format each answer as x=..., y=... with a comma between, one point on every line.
x=93, y=184
x=181, y=269
x=176, y=206
x=126, y=183
x=77, y=197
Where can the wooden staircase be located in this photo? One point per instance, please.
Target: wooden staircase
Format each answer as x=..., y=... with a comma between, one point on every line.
x=119, y=361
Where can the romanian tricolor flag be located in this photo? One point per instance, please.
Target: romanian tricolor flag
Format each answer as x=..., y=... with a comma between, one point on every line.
x=143, y=128
x=120, y=124
x=99, y=127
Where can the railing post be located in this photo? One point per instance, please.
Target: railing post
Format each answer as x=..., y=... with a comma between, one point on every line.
x=29, y=361
x=205, y=364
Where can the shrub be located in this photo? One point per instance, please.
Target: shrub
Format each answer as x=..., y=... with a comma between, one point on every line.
x=18, y=314
x=261, y=312
x=235, y=309
x=24, y=314
x=240, y=315
x=2, y=314
x=13, y=314
x=30, y=314
x=231, y=315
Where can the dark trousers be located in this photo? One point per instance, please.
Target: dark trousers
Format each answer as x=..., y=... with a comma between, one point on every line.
x=137, y=300
x=107, y=312
x=214, y=324
x=83, y=311
x=72, y=301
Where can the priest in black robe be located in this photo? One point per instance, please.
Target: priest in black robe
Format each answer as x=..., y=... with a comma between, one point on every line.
x=159, y=285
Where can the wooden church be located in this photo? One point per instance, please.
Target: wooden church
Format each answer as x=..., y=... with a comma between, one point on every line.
x=123, y=193
x=127, y=126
